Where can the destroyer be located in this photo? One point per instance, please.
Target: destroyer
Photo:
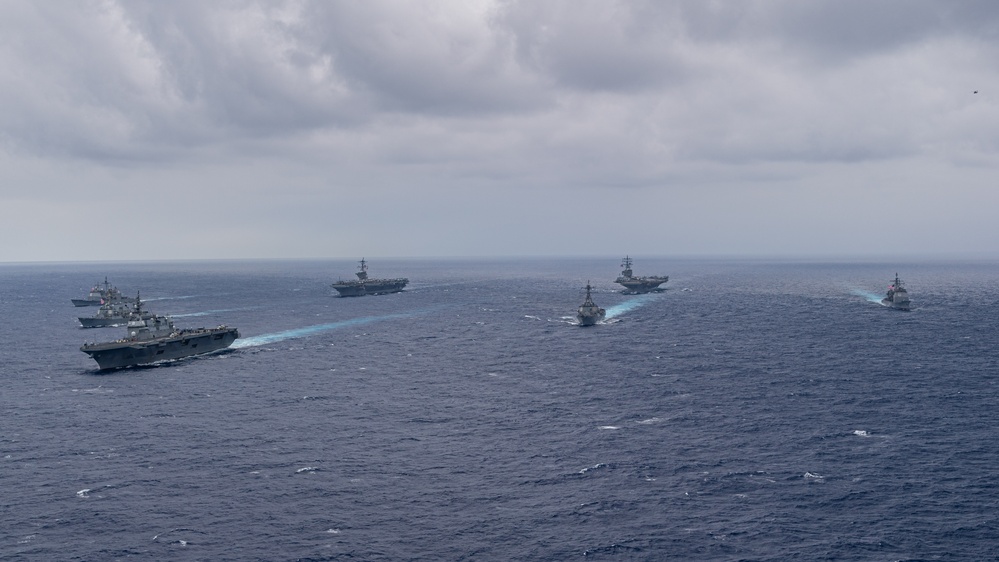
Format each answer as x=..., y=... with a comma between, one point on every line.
x=151, y=338
x=365, y=286
x=101, y=293
x=898, y=297
x=589, y=313
x=634, y=284
x=111, y=313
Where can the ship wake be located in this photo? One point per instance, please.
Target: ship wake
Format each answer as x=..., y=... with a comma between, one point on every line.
x=264, y=339
x=629, y=305
x=872, y=297
x=209, y=312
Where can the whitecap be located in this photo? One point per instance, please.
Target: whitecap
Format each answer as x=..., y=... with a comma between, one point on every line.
x=651, y=420
x=611, y=427
x=84, y=493
x=815, y=476
x=333, y=531
x=861, y=432
x=99, y=389
x=594, y=467
x=307, y=469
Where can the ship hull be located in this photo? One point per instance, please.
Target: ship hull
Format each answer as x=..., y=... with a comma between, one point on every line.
x=360, y=289
x=99, y=301
x=117, y=355
x=896, y=304
x=641, y=284
x=589, y=319
x=588, y=315
x=102, y=322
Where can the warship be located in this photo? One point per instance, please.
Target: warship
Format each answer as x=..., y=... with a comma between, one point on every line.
x=589, y=313
x=898, y=297
x=101, y=293
x=111, y=313
x=365, y=286
x=151, y=338
x=634, y=284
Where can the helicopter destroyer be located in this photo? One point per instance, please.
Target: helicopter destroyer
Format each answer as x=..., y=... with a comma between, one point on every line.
x=151, y=338
x=101, y=293
x=365, y=286
x=898, y=297
x=112, y=313
x=589, y=313
x=637, y=285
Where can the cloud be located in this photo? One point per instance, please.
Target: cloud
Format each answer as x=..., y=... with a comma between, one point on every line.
x=682, y=79
x=298, y=105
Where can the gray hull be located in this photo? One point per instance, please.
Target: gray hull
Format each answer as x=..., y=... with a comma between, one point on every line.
x=98, y=301
x=641, y=284
x=92, y=322
x=897, y=303
x=590, y=319
x=370, y=287
x=115, y=355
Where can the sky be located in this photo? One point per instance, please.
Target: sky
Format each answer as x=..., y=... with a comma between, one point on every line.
x=150, y=130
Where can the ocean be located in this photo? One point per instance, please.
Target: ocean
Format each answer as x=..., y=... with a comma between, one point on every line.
x=755, y=410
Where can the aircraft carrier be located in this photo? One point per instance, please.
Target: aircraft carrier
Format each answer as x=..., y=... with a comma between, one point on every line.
x=634, y=284
x=367, y=286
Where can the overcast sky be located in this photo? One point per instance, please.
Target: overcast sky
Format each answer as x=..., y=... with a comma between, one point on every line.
x=190, y=129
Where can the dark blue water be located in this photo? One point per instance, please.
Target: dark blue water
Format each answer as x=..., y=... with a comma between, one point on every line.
x=754, y=411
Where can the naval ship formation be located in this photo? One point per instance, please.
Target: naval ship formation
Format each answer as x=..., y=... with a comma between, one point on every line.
x=366, y=286
x=151, y=338
x=897, y=297
x=634, y=284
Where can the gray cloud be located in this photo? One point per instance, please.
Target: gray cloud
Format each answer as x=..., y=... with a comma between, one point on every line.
x=288, y=109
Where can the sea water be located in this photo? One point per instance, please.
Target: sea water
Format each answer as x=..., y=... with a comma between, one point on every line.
x=752, y=411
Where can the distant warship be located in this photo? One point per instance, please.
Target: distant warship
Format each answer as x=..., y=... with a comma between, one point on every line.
x=638, y=284
x=112, y=313
x=364, y=286
x=589, y=313
x=151, y=338
x=101, y=293
x=897, y=297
